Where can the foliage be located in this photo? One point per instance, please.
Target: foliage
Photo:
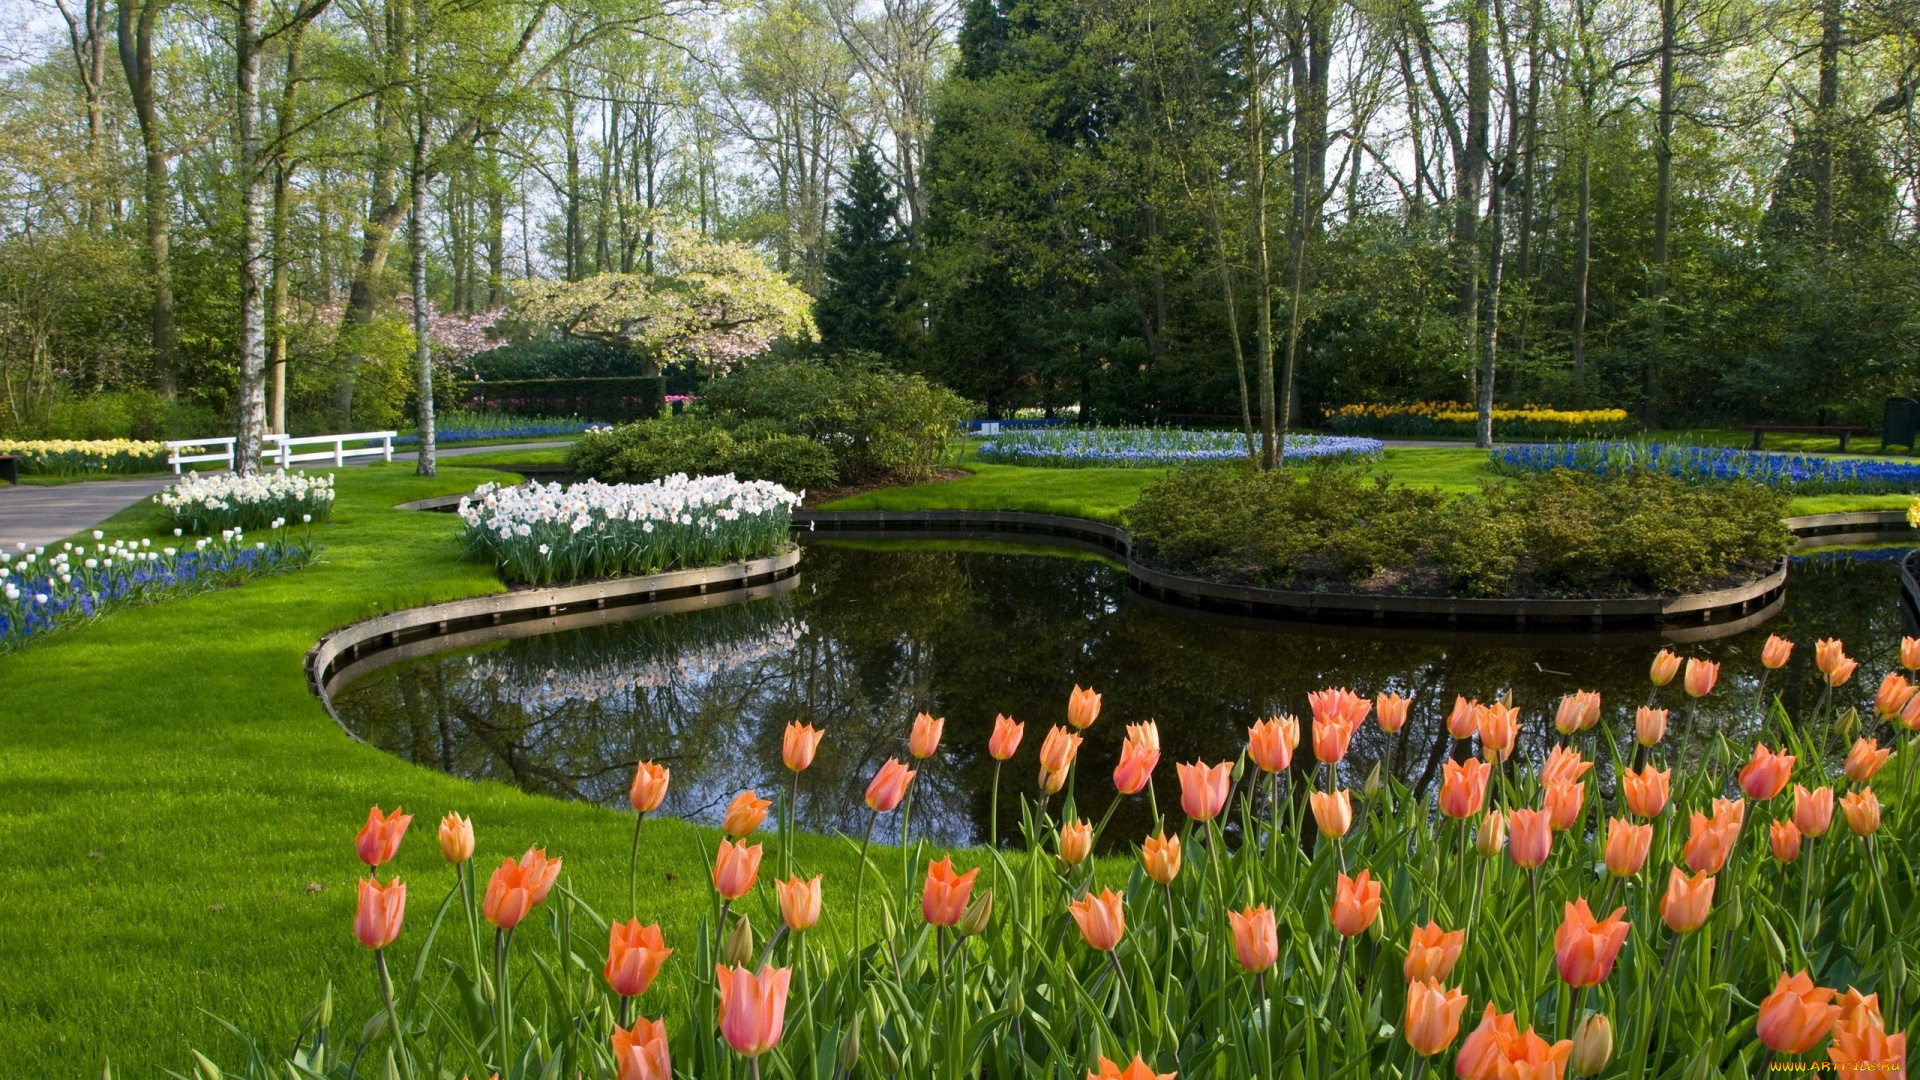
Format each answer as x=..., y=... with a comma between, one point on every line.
x=543, y=534
x=553, y=358
x=1457, y=418
x=865, y=267
x=228, y=502
x=1806, y=474
x=1074, y=448
x=62, y=457
x=1553, y=533
x=625, y=397
x=651, y=449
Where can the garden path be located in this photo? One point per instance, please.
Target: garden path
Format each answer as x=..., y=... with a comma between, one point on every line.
x=41, y=515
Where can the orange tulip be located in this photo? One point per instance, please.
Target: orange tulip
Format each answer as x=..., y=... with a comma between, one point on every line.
x=1532, y=839
x=1102, y=919
x=1147, y=735
x=1585, y=948
x=1433, y=1016
x=1499, y=726
x=456, y=838
x=1006, y=737
x=1203, y=789
x=1332, y=812
x=1827, y=654
x=1076, y=842
x=797, y=746
x=1858, y=1012
x=1865, y=759
x=649, y=786
x=1464, y=720
x=1267, y=745
x=1578, y=711
x=1665, y=666
x=1650, y=725
x=379, y=839
x=1392, y=711
x=1135, y=770
x=1160, y=857
x=1463, y=787
x=1796, y=1016
x=1356, y=903
x=943, y=899
x=926, y=735
x=1563, y=803
x=889, y=786
x=1776, y=652
x=1057, y=752
x=1688, y=902
x=753, y=1008
x=1491, y=835
x=1646, y=790
x=1843, y=671
x=1870, y=1047
x=1498, y=1050
x=1564, y=765
x=1910, y=653
x=1051, y=781
x=1862, y=809
x=1432, y=953
x=377, y=918
x=744, y=815
x=799, y=902
x=1812, y=810
x=1531, y=1057
x=1701, y=675
x=735, y=868
x=516, y=888
x=1784, y=836
x=1892, y=697
x=1708, y=843
x=1136, y=1070
x=641, y=1053
x=1766, y=775
x=1627, y=847
x=1330, y=739
x=1256, y=942
x=1910, y=716
x=1339, y=705
x=1729, y=813
x=634, y=956
x=1083, y=707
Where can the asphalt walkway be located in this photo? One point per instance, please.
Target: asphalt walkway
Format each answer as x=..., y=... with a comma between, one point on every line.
x=33, y=515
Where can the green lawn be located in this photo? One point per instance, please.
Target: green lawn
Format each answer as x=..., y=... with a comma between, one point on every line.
x=556, y=455
x=179, y=809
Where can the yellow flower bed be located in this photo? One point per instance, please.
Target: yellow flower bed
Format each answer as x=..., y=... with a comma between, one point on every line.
x=1457, y=417
x=74, y=457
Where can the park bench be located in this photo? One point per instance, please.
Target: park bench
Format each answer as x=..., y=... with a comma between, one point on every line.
x=10, y=468
x=1844, y=431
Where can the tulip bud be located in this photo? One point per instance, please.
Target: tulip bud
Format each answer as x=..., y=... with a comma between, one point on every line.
x=1372, y=787
x=849, y=1055
x=738, y=950
x=1592, y=1045
x=1846, y=722
x=1492, y=835
x=979, y=910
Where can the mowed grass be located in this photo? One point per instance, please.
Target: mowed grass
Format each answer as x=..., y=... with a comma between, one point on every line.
x=179, y=809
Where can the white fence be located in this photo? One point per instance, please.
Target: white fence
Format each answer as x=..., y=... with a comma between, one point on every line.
x=284, y=450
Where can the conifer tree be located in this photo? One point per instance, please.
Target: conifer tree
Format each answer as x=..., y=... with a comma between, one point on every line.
x=865, y=266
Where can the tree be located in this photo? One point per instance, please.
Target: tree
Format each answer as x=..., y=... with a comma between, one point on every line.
x=864, y=266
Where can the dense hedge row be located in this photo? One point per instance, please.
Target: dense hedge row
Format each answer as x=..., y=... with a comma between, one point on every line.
x=1548, y=534
x=627, y=397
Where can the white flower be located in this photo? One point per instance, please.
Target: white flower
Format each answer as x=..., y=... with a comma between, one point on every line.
x=98, y=535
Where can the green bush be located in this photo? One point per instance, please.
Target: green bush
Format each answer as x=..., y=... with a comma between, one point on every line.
x=651, y=449
x=1551, y=534
x=553, y=358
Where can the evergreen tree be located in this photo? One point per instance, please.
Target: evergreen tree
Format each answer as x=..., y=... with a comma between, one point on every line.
x=865, y=267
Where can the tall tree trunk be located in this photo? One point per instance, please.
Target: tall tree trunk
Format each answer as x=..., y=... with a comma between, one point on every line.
x=1662, y=207
x=417, y=241
x=282, y=190
x=136, y=22
x=496, y=232
x=1471, y=169
x=1311, y=27
x=1263, y=267
x=1825, y=119
x=384, y=205
x=251, y=406
x=1582, y=262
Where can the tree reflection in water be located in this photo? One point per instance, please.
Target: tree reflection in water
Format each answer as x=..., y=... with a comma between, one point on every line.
x=875, y=633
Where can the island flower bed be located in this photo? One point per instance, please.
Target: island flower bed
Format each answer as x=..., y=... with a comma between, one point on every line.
x=209, y=502
x=539, y=534
x=42, y=590
x=1069, y=448
x=1803, y=474
x=81, y=457
x=1457, y=419
x=1652, y=900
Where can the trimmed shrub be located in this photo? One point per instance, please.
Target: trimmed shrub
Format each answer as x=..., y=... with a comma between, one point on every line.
x=629, y=397
x=553, y=358
x=652, y=449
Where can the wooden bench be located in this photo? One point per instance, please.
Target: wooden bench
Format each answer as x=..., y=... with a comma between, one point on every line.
x=10, y=468
x=1844, y=431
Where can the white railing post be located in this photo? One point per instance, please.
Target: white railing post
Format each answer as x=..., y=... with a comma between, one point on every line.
x=339, y=452
x=386, y=445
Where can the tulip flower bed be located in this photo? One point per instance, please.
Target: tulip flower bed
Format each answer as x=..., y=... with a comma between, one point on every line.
x=1074, y=448
x=538, y=533
x=1802, y=474
x=42, y=591
x=215, y=502
x=1457, y=419
x=1696, y=917
x=83, y=457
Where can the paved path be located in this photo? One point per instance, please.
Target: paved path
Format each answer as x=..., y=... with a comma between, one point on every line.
x=33, y=515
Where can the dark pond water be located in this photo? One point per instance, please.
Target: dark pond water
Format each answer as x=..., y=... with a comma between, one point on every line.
x=872, y=634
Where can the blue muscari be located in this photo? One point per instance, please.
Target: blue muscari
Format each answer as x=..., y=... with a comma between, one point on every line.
x=1148, y=447
x=147, y=579
x=1805, y=474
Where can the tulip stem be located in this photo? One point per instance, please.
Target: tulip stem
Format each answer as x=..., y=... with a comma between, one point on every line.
x=860, y=881
x=633, y=868
x=1660, y=1008
x=393, y=1014
x=906, y=853
x=503, y=999
x=993, y=809
x=793, y=808
x=1533, y=889
x=463, y=873
x=1419, y=1068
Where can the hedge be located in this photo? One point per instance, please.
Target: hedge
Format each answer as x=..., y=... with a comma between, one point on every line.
x=629, y=397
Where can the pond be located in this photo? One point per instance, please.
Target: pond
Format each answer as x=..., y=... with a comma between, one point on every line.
x=871, y=633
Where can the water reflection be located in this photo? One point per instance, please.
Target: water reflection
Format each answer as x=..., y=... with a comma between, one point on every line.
x=877, y=632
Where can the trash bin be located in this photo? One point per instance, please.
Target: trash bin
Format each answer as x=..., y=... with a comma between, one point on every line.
x=1900, y=422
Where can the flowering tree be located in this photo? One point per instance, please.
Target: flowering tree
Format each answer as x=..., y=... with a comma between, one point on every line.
x=711, y=301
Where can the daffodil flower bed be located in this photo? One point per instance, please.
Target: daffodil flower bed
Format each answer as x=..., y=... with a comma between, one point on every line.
x=541, y=533
x=80, y=457
x=1802, y=474
x=1458, y=419
x=1070, y=448
x=211, y=502
x=1653, y=899
x=44, y=589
